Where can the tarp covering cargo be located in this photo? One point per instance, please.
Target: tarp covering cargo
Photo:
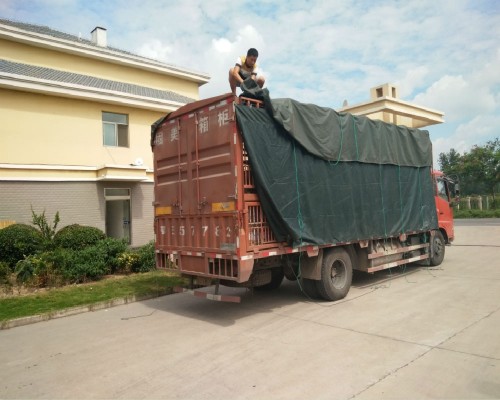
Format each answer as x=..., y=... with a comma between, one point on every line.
x=324, y=177
x=345, y=137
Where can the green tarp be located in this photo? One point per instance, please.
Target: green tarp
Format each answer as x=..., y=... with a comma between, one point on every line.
x=345, y=137
x=324, y=177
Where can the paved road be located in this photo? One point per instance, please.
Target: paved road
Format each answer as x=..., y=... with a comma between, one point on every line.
x=408, y=333
x=478, y=222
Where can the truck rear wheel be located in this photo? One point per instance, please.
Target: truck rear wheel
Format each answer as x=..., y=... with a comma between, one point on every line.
x=437, y=249
x=336, y=274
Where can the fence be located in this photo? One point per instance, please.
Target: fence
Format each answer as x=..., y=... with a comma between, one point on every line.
x=477, y=203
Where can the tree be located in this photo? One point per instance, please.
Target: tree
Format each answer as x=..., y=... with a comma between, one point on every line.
x=450, y=163
x=478, y=170
x=482, y=164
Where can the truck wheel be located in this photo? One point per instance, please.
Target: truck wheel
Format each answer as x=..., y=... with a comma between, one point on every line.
x=277, y=276
x=291, y=268
x=336, y=274
x=310, y=288
x=437, y=249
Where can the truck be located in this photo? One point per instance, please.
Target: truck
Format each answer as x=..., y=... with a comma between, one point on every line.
x=250, y=191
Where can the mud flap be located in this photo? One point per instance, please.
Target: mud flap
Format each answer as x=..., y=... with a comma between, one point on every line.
x=310, y=267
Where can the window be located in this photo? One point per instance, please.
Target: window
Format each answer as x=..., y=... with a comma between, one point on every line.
x=116, y=194
x=442, y=190
x=115, y=129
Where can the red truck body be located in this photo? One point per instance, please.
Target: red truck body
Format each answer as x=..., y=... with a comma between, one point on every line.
x=208, y=220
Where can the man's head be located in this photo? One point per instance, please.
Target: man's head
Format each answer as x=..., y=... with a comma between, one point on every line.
x=252, y=55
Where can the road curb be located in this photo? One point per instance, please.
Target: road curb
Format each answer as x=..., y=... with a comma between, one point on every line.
x=13, y=323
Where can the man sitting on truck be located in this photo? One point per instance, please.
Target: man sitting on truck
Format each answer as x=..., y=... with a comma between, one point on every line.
x=245, y=67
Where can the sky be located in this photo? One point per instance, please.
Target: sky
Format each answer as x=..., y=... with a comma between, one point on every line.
x=441, y=54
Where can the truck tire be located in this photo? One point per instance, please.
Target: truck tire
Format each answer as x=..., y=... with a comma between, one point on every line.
x=310, y=288
x=277, y=275
x=291, y=268
x=336, y=274
x=437, y=249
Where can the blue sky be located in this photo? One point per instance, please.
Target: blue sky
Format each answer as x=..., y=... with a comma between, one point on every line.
x=442, y=54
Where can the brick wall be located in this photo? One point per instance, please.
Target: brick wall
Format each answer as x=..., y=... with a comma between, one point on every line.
x=78, y=203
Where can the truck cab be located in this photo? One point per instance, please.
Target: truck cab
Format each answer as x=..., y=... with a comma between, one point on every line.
x=445, y=192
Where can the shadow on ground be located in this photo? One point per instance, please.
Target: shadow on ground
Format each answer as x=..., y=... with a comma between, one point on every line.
x=259, y=301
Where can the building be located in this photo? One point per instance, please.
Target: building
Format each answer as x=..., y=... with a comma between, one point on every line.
x=385, y=105
x=75, y=128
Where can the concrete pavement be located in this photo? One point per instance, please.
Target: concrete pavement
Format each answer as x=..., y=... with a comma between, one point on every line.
x=406, y=333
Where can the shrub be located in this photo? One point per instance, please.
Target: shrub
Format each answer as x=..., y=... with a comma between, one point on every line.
x=47, y=231
x=147, y=259
x=128, y=261
x=140, y=260
x=17, y=242
x=37, y=270
x=26, y=269
x=57, y=261
x=78, y=237
x=5, y=272
x=90, y=263
x=476, y=213
x=113, y=248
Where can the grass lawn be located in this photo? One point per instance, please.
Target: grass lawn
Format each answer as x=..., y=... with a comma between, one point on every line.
x=150, y=283
x=476, y=213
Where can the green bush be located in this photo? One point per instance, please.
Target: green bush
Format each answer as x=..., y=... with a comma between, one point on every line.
x=57, y=262
x=62, y=265
x=128, y=262
x=38, y=270
x=113, y=248
x=17, y=242
x=78, y=237
x=147, y=259
x=140, y=260
x=90, y=263
x=5, y=272
x=476, y=213
x=26, y=269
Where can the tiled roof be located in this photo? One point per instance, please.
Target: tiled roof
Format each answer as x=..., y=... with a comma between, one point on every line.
x=45, y=30
x=54, y=75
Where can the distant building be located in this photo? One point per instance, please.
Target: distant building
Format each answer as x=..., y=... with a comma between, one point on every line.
x=75, y=128
x=385, y=105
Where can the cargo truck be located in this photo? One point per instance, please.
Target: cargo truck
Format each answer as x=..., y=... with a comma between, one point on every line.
x=247, y=193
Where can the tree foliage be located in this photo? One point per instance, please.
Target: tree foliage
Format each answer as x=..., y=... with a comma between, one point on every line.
x=478, y=170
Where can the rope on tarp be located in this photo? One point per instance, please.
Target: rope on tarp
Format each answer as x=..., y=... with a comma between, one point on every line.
x=300, y=220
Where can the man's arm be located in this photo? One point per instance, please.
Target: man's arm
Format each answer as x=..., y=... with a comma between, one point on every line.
x=236, y=74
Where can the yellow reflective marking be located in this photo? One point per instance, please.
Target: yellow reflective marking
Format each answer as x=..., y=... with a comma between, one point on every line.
x=163, y=210
x=224, y=206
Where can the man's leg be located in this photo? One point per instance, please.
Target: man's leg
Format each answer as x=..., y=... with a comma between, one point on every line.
x=260, y=81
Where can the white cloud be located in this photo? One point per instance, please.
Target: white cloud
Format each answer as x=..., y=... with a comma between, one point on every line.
x=415, y=78
x=476, y=131
x=155, y=49
x=222, y=45
x=459, y=98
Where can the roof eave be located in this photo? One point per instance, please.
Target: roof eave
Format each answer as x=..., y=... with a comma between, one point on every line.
x=423, y=116
x=61, y=89
x=104, y=53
